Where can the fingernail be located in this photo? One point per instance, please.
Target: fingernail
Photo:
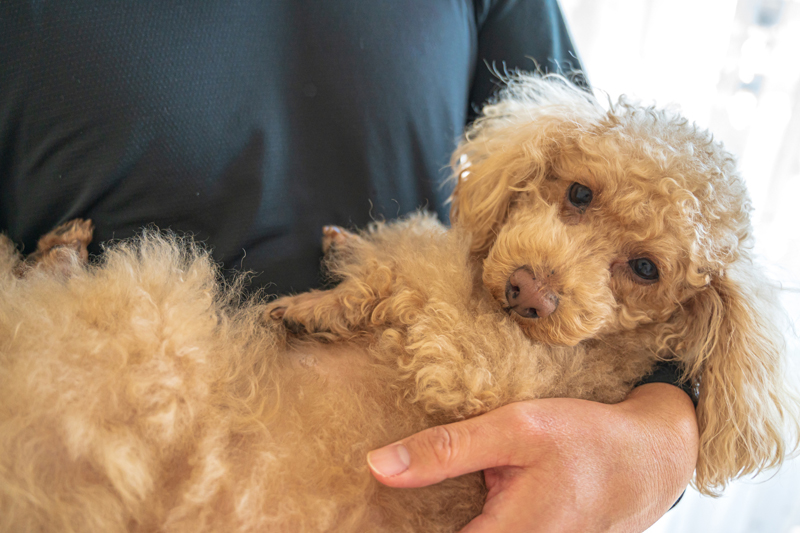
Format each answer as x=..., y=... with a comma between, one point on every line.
x=389, y=461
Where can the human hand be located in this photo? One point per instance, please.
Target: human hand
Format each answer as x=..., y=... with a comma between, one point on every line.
x=560, y=465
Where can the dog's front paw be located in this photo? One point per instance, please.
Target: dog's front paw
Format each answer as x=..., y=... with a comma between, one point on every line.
x=76, y=234
x=276, y=312
x=302, y=314
x=57, y=250
x=336, y=237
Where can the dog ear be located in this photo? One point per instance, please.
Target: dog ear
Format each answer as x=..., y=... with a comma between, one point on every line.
x=484, y=191
x=746, y=413
x=511, y=147
x=499, y=157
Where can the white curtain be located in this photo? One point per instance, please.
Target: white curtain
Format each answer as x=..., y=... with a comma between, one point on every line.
x=732, y=66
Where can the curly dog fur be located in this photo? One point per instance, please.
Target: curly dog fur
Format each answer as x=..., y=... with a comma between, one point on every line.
x=140, y=393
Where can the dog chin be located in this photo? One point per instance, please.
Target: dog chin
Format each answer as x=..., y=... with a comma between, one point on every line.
x=556, y=332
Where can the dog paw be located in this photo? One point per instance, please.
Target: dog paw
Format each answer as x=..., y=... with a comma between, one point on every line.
x=336, y=237
x=276, y=313
x=76, y=234
x=57, y=250
x=302, y=314
x=73, y=235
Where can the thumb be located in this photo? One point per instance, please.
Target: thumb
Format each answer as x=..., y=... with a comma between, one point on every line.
x=443, y=452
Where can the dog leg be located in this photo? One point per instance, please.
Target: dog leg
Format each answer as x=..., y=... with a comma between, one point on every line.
x=350, y=308
x=56, y=251
x=330, y=312
x=337, y=314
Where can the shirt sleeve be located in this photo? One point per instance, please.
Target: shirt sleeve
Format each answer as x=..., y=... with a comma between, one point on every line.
x=669, y=372
x=519, y=35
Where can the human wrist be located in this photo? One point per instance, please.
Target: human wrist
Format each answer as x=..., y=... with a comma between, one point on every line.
x=664, y=416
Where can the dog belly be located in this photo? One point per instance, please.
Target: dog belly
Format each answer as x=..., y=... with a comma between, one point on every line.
x=338, y=363
x=337, y=405
x=302, y=465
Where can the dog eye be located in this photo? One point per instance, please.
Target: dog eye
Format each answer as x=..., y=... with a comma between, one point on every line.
x=580, y=195
x=644, y=268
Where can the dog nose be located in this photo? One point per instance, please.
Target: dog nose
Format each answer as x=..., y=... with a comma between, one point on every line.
x=529, y=297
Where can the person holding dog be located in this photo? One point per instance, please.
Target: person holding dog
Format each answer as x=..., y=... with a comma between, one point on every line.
x=253, y=124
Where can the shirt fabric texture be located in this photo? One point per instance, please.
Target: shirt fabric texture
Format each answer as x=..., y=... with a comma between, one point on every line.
x=248, y=124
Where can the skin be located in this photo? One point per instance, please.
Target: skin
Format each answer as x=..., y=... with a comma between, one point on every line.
x=560, y=465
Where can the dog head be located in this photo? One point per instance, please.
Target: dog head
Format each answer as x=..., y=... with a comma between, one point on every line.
x=594, y=222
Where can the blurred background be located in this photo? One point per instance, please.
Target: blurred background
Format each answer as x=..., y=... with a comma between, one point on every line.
x=732, y=66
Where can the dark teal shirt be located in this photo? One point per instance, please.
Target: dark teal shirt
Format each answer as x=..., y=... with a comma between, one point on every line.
x=251, y=123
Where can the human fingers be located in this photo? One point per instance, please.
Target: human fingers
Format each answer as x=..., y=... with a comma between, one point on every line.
x=443, y=452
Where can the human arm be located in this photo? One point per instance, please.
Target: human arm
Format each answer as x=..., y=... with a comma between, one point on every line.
x=561, y=464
